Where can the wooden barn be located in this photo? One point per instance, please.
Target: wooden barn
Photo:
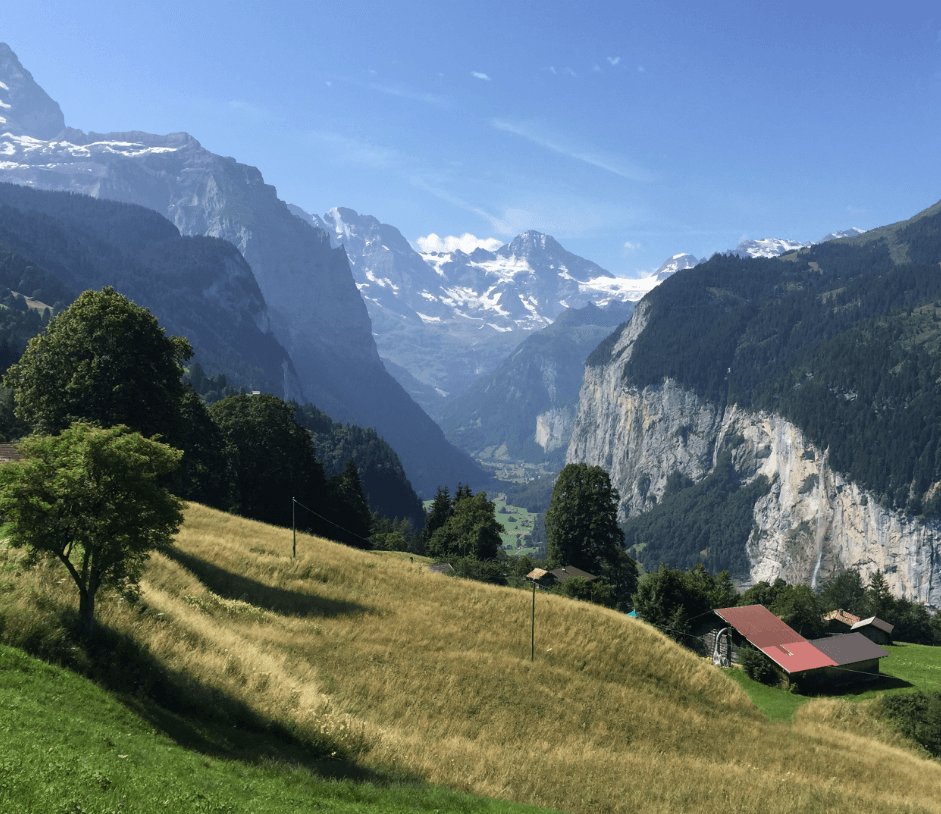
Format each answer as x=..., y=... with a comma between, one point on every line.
x=835, y=659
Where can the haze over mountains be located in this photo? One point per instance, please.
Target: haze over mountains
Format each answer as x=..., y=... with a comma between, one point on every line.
x=311, y=304
x=444, y=318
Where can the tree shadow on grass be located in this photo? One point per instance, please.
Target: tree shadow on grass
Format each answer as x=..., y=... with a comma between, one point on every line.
x=230, y=585
x=195, y=716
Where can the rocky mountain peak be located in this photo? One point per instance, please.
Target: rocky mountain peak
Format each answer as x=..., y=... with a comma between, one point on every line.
x=674, y=264
x=25, y=108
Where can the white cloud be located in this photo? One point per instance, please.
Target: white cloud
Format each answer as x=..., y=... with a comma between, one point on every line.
x=631, y=247
x=614, y=60
x=479, y=75
x=570, y=72
x=551, y=69
x=641, y=69
x=466, y=243
x=605, y=161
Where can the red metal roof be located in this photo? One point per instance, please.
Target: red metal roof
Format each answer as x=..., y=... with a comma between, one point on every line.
x=760, y=626
x=797, y=656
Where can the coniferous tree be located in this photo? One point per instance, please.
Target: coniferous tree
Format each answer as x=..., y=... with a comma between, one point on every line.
x=350, y=509
x=438, y=514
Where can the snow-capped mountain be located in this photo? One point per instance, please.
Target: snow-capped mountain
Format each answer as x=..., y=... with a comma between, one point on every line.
x=775, y=247
x=767, y=247
x=851, y=232
x=678, y=262
x=443, y=318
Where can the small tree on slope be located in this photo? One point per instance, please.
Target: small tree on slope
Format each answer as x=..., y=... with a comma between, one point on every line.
x=90, y=498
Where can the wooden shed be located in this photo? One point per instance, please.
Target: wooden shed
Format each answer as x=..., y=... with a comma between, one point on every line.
x=875, y=629
x=835, y=659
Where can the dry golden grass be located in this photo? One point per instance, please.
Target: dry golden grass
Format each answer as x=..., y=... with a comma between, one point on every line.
x=431, y=675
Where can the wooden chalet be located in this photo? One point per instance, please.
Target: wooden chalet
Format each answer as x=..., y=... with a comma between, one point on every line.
x=547, y=579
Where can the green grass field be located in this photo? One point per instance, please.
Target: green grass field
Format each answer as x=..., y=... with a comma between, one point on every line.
x=909, y=668
x=519, y=524
x=68, y=746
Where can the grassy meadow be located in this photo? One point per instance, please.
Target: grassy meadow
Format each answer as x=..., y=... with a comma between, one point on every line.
x=370, y=664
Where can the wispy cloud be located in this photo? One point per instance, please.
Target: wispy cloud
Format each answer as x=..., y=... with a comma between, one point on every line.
x=614, y=60
x=391, y=89
x=479, y=75
x=630, y=247
x=641, y=69
x=596, y=158
x=248, y=110
x=572, y=73
x=350, y=150
x=498, y=225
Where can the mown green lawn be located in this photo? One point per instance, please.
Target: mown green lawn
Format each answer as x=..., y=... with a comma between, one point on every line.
x=67, y=746
x=909, y=668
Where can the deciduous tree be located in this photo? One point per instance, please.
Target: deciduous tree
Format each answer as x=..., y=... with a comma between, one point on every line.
x=90, y=497
x=104, y=359
x=582, y=521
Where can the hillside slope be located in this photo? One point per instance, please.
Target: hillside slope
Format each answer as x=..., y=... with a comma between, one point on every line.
x=433, y=676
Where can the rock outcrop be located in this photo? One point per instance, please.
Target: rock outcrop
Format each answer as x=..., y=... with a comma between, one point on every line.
x=811, y=523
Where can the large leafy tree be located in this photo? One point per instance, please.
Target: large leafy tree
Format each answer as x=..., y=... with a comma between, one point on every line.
x=471, y=530
x=106, y=360
x=582, y=521
x=91, y=498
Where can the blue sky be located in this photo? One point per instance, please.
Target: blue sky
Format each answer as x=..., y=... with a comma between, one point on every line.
x=629, y=131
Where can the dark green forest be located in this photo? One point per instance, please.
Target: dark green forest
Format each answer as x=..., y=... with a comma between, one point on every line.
x=51, y=243
x=707, y=522
x=842, y=339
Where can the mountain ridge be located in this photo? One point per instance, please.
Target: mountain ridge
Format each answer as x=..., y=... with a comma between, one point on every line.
x=313, y=306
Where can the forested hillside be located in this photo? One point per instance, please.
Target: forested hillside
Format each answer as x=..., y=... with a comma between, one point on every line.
x=841, y=339
x=198, y=287
x=53, y=245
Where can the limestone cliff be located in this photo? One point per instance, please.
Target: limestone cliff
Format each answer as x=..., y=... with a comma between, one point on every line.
x=812, y=521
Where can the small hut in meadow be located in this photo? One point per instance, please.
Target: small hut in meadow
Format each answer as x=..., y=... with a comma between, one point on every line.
x=875, y=629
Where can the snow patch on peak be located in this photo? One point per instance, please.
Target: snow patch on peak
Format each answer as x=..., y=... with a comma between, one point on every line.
x=767, y=247
x=853, y=231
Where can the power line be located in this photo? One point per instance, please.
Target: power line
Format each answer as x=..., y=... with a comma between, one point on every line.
x=328, y=520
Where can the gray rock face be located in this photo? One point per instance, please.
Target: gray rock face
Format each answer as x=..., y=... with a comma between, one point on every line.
x=25, y=108
x=526, y=407
x=810, y=524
